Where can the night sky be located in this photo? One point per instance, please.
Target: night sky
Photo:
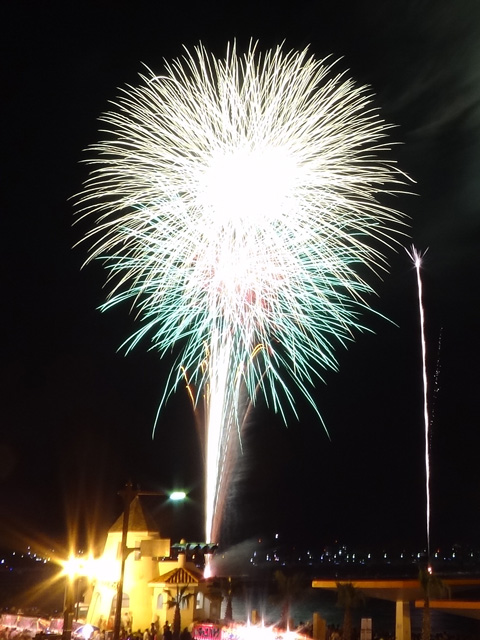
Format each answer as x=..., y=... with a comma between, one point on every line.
x=77, y=415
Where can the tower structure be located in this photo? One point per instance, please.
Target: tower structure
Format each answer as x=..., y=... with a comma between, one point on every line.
x=150, y=574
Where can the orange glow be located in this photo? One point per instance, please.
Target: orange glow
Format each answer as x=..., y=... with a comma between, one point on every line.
x=77, y=566
x=207, y=571
x=187, y=385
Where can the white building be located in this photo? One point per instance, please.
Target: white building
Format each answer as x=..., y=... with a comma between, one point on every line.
x=151, y=580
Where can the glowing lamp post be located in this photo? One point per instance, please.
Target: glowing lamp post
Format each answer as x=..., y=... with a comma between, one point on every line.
x=128, y=494
x=73, y=568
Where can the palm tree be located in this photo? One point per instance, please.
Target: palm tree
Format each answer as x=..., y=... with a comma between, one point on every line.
x=289, y=589
x=214, y=593
x=433, y=587
x=229, y=608
x=178, y=600
x=348, y=597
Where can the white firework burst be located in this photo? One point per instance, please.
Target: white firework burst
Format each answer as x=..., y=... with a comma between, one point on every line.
x=237, y=200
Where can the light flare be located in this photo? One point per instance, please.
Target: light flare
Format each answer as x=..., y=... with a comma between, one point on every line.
x=237, y=204
x=238, y=631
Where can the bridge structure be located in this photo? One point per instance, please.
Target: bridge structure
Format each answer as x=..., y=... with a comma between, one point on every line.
x=409, y=592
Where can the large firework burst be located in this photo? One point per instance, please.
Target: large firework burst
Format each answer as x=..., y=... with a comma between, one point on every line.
x=236, y=203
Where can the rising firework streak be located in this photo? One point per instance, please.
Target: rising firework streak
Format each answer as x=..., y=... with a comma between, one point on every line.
x=417, y=257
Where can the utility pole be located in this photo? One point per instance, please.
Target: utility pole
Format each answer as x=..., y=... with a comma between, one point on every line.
x=68, y=610
x=128, y=494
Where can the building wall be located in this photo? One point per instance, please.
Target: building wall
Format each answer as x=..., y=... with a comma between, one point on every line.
x=137, y=595
x=141, y=589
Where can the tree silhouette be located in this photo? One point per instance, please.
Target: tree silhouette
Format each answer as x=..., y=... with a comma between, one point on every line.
x=289, y=589
x=229, y=607
x=348, y=597
x=178, y=600
x=432, y=587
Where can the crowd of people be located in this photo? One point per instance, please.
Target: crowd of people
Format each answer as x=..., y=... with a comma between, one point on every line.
x=154, y=632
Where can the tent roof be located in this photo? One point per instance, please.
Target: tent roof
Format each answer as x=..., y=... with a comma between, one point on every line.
x=179, y=576
x=139, y=519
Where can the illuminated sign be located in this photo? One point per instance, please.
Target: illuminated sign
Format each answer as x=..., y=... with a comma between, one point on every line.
x=206, y=632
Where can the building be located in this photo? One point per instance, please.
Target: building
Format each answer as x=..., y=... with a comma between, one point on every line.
x=153, y=581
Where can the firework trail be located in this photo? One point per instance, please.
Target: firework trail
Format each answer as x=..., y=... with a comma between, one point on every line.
x=436, y=381
x=416, y=258
x=237, y=204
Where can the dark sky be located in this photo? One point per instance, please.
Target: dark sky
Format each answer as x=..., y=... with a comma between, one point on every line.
x=76, y=415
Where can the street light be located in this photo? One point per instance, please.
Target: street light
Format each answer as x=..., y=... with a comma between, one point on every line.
x=128, y=494
x=73, y=568
x=178, y=495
